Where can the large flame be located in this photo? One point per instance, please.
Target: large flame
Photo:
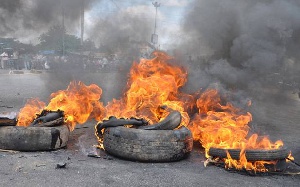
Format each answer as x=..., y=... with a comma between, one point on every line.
x=152, y=91
x=79, y=103
x=221, y=125
x=153, y=84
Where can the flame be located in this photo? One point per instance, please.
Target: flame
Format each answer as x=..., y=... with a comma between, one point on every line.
x=255, y=166
x=28, y=113
x=152, y=92
x=153, y=84
x=79, y=103
x=221, y=125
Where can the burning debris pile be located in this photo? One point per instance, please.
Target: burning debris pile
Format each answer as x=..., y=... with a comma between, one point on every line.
x=37, y=136
x=153, y=84
x=218, y=125
x=30, y=129
x=76, y=104
x=221, y=128
x=161, y=119
x=152, y=95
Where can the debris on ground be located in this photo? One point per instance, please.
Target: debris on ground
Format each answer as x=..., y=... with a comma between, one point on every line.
x=61, y=165
x=94, y=155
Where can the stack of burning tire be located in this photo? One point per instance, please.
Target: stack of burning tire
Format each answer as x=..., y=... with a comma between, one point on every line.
x=273, y=160
x=47, y=132
x=160, y=142
x=251, y=154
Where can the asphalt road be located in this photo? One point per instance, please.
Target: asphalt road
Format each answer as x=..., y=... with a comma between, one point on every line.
x=279, y=120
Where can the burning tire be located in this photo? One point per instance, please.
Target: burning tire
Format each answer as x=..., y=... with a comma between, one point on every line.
x=148, y=145
x=33, y=138
x=251, y=155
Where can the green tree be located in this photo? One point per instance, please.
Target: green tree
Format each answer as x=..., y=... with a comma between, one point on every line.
x=56, y=37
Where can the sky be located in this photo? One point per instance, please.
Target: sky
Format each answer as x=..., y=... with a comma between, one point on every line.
x=169, y=15
x=169, y=11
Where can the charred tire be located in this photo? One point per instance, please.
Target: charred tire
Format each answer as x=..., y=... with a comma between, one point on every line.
x=148, y=145
x=171, y=122
x=33, y=138
x=251, y=155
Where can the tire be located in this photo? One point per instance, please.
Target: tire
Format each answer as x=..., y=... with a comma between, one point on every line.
x=171, y=122
x=251, y=155
x=33, y=138
x=148, y=145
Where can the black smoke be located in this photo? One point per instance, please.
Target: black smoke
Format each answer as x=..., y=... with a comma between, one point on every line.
x=121, y=32
x=35, y=16
x=244, y=44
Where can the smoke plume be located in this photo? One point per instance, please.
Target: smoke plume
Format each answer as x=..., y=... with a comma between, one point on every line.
x=31, y=17
x=120, y=32
x=121, y=36
x=245, y=44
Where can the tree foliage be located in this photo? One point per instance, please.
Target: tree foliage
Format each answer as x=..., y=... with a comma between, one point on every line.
x=56, y=37
x=16, y=45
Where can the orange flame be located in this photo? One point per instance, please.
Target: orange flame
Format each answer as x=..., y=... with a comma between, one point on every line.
x=256, y=166
x=79, y=103
x=29, y=112
x=221, y=125
x=152, y=84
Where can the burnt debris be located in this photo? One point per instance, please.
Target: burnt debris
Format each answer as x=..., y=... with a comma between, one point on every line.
x=49, y=118
x=115, y=122
x=8, y=119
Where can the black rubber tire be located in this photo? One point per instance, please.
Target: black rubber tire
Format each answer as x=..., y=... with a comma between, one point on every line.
x=251, y=155
x=171, y=122
x=148, y=145
x=33, y=138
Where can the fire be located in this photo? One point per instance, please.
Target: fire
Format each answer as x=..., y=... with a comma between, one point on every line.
x=29, y=111
x=153, y=84
x=244, y=164
x=221, y=125
x=79, y=103
x=153, y=89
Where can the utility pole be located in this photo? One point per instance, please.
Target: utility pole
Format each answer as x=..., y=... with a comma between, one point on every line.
x=156, y=5
x=154, y=37
x=63, y=27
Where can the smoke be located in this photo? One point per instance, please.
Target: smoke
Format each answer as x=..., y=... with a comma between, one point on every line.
x=245, y=44
x=121, y=32
x=10, y=5
x=31, y=17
